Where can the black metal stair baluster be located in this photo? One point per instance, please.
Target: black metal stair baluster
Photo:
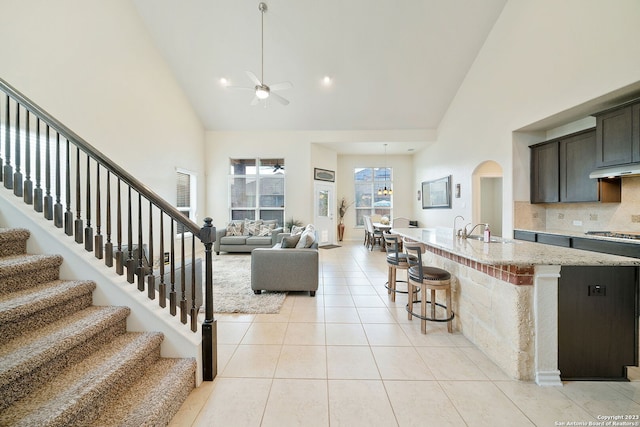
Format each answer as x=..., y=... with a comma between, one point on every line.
x=131, y=263
x=68, y=214
x=17, y=175
x=140, y=270
x=88, y=230
x=183, y=283
x=151, y=280
x=108, y=247
x=8, y=170
x=162, y=287
x=194, y=308
x=119, y=254
x=57, y=208
x=27, y=189
x=172, y=293
x=98, y=241
x=78, y=222
x=37, y=193
x=48, y=199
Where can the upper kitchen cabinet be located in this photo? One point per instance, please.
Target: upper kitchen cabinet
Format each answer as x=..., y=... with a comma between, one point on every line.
x=560, y=171
x=545, y=176
x=618, y=135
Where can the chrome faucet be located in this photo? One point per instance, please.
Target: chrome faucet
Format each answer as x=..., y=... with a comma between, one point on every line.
x=466, y=233
x=459, y=231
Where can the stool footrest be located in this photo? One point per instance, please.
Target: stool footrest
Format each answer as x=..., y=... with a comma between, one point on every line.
x=430, y=319
x=386, y=285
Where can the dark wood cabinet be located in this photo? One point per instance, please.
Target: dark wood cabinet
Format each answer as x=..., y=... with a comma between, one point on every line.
x=529, y=236
x=554, y=239
x=577, y=161
x=615, y=141
x=597, y=322
x=545, y=170
x=560, y=171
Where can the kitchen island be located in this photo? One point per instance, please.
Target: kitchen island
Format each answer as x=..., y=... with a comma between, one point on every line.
x=505, y=295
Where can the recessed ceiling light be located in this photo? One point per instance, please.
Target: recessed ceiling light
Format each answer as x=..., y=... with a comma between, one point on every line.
x=327, y=81
x=224, y=82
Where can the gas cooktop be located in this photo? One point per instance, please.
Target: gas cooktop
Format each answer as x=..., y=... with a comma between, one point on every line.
x=635, y=235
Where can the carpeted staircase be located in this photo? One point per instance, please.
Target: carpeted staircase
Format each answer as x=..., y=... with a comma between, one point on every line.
x=65, y=362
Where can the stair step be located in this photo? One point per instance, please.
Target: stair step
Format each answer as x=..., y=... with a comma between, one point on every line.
x=19, y=272
x=30, y=360
x=13, y=241
x=77, y=395
x=155, y=398
x=26, y=310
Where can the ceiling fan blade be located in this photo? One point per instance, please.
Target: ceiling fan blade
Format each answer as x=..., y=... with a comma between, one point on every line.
x=281, y=86
x=253, y=78
x=255, y=100
x=278, y=98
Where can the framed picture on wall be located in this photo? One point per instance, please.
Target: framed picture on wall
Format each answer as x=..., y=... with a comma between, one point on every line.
x=324, y=175
x=437, y=193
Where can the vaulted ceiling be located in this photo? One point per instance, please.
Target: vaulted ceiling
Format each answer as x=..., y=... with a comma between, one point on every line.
x=394, y=65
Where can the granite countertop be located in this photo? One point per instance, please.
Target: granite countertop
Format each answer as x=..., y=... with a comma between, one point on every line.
x=509, y=251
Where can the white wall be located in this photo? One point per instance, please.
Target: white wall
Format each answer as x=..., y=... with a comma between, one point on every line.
x=541, y=58
x=92, y=65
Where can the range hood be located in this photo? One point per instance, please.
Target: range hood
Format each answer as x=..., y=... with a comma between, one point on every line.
x=616, y=171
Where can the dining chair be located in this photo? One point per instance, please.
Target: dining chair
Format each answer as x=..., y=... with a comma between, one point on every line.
x=400, y=222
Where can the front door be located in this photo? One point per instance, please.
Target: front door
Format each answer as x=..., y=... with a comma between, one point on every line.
x=324, y=212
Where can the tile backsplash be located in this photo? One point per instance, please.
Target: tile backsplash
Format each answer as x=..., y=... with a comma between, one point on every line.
x=624, y=216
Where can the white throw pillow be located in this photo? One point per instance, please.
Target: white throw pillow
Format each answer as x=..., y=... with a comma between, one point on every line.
x=308, y=237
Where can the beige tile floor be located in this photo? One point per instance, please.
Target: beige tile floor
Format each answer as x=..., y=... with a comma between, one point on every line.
x=350, y=357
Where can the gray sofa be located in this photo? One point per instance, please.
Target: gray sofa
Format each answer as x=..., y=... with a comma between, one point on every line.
x=285, y=269
x=226, y=243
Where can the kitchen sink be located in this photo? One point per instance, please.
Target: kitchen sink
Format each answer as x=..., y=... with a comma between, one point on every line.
x=491, y=240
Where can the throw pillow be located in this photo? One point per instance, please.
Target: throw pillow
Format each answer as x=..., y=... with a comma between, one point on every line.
x=296, y=230
x=266, y=230
x=307, y=237
x=234, y=228
x=290, y=241
x=251, y=227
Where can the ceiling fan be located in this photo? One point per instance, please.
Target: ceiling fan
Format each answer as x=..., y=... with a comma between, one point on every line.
x=261, y=89
x=278, y=168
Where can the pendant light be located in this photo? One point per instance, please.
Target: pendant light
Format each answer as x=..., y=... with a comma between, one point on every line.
x=385, y=191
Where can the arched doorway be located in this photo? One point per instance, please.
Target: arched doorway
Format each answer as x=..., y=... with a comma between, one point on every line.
x=487, y=195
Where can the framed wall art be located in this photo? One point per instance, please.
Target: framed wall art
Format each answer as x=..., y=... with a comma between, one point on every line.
x=324, y=175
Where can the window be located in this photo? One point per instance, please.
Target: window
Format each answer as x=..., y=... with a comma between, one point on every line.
x=256, y=189
x=368, y=201
x=185, y=195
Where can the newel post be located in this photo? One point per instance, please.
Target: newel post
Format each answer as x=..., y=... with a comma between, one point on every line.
x=209, y=327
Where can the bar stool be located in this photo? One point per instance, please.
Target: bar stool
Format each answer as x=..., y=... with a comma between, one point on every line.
x=396, y=259
x=427, y=278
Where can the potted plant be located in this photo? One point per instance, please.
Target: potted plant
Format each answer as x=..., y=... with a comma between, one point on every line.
x=342, y=210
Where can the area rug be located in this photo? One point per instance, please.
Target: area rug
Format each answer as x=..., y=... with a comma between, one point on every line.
x=232, y=288
x=328, y=246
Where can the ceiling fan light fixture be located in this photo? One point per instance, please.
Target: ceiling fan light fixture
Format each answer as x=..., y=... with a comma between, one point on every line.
x=262, y=92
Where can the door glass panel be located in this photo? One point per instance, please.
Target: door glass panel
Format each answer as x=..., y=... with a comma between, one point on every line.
x=323, y=203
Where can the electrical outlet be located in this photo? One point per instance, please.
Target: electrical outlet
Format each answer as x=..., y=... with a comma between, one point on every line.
x=597, y=291
x=577, y=222
x=593, y=217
